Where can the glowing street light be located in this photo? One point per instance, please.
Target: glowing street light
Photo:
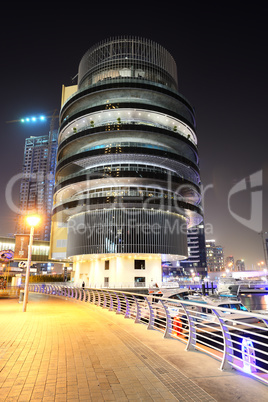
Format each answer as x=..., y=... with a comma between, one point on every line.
x=32, y=221
x=33, y=119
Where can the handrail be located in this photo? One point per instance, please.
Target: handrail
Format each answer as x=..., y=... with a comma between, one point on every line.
x=238, y=339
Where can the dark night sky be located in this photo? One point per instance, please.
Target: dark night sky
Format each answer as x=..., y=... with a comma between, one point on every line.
x=221, y=55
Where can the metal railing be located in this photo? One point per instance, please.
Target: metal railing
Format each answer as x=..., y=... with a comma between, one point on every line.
x=238, y=339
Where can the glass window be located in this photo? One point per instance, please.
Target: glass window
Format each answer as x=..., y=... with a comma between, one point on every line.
x=106, y=281
x=139, y=281
x=139, y=264
x=107, y=264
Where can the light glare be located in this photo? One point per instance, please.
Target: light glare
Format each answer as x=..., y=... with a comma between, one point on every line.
x=33, y=220
x=33, y=119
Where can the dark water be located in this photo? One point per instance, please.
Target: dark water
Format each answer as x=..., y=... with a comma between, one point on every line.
x=255, y=301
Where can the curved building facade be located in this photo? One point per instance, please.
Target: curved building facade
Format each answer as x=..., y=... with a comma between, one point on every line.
x=127, y=179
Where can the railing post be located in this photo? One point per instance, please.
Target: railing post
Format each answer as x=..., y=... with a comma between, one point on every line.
x=127, y=313
x=81, y=294
x=138, y=308
x=111, y=302
x=86, y=296
x=93, y=296
x=118, y=310
x=104, y=299
x=151, y=316
x=227, y=359
x=192, y=330
x=167, y=333
x=99, y=299
x=265, y=321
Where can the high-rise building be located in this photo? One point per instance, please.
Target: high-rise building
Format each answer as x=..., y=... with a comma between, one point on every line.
x=197, y=259
x=215, y=256
x=37, y=184
x=229, y=263
x=127, y=180
x=240, y=265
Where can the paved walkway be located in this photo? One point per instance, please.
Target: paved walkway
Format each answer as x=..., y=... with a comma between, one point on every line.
x=60, y=350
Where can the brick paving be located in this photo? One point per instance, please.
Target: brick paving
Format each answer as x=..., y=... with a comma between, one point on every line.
x=60, y=350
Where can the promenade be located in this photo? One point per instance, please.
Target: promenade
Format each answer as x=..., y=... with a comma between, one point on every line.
x=62, y=350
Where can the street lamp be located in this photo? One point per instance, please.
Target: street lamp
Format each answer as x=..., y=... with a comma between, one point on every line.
x=32, y=221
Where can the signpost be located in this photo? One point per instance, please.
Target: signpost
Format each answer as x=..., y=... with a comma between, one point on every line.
x=21, y=247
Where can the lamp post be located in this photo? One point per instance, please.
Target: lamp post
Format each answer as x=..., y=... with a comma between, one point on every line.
x=32, y=221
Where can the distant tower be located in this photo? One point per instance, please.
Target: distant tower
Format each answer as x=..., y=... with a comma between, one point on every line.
x=229, y=263
x=240, y=265
x=215, y=256
x=197, y=259
x=127, y=181
x=36, y=190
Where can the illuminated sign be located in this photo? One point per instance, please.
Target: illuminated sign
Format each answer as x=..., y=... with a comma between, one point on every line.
x=21, y=247
x=6, y=255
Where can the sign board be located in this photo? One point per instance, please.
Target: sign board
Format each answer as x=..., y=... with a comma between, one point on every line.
x=21, y=247
x=65, y=274
x=6, y=255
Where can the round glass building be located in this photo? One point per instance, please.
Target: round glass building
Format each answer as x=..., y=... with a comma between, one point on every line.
x=127, y=181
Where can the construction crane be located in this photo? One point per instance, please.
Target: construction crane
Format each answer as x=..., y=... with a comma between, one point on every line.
x=41, y=118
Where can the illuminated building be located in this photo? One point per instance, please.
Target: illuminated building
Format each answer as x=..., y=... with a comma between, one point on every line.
x=240, y=265
x=229, y=263
x=196, y=250
x=215, y=256
x=127, y=183
x=37, y=184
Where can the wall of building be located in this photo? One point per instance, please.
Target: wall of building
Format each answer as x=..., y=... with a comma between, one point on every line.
x=67, y=92
x=93, y=272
